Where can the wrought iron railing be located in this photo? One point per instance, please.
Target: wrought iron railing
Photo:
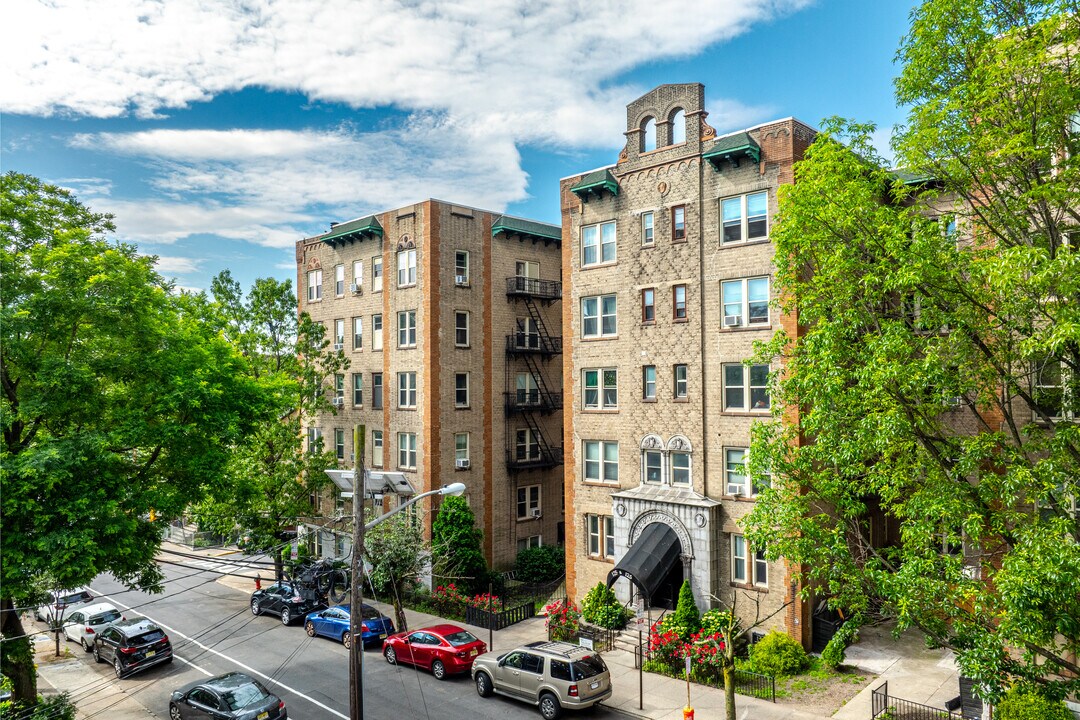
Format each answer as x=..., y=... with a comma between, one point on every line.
x=526, y=400
x=524, y=342
x=894, y=708
x=498, y=620
x=534, y=287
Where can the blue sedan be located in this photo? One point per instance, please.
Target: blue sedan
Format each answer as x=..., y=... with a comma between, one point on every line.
x=334, y=623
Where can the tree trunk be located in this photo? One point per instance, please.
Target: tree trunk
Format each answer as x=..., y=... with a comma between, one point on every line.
x=729, y=691
x=279, y=564
x=17, y=656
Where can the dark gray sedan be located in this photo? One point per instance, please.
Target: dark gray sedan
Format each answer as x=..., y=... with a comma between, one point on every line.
x=233, y=695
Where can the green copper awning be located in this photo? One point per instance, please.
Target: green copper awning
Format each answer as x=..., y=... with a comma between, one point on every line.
x=595, y=183
x=526, y=229
x=733, y=148
x=353, y=231
x=910, y=178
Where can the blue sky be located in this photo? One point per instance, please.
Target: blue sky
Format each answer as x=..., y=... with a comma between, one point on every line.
x=220, y=133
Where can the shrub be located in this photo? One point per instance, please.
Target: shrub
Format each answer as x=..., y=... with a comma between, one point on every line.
x=1028, y=704
x=686, y=611
x=777, y=654
x=601, y=607
x=562, y=620
x=540, y=564
x=666, y=647
x=833, y=654
x=716, y=620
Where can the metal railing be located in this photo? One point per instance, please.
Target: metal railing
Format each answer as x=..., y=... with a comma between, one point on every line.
x=752, y=684
x=526, y=342
x=498, y=620
x=534, y=287
x=541, y=458
x=894, y=708
x=538, y=400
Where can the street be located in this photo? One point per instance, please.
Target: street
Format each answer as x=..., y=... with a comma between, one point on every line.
x=213, y=631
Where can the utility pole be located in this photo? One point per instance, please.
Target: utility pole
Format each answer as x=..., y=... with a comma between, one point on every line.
x=356, y=589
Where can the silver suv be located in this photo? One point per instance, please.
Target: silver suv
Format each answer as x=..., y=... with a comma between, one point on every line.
x=550, y=675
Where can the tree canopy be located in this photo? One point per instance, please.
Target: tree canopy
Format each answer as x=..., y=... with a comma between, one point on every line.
x=455, y=546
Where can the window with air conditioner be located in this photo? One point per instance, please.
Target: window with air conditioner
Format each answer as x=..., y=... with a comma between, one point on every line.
x=735, y=477
x=339, y=389
x=339, y=334
x=745, y=302
x=461, y=451
x=461, y=267
x=528, y=502
x=357, y=275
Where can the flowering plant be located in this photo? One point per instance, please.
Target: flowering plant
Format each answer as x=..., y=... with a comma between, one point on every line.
x=448, y=598
x=563, y=617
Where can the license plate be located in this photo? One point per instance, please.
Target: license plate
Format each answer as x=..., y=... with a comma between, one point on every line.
x=472, y=653
x=263, y=715
x=594, y=685
x=150, y=653
x=383, y=636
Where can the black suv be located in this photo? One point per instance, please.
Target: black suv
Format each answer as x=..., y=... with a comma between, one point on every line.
x=132, y=645
x=287, y=601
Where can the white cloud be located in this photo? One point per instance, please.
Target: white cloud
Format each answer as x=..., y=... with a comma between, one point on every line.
x=173, y=265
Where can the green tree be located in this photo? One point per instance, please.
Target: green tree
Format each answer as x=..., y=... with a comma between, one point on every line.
x=455, y=545
x=687, y=615
x=398, y=556
x=118, y=399
x=937, y=374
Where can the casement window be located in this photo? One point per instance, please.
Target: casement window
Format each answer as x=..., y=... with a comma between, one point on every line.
x=376, y=448
x=376, y=391
x=597, y=244
x=678, y=223
x=461, y=390
x=746, y=302
x=647, y=237
x=314, y=285
x=648, y=382
x=528, y=502
x=526, y=445
x=678, y=302
x=406, y=389
x=339, y=443
x=406, y=268
x=406, y=329
x=406, y=451
x=461, y=446
x=528, y=393
x=339, y=280
x=652, y=464
x=376, y=331
x=461, y=329
x=680, y=468
x=533, y=541
x=376, y=274
x=601, y=461
x=339, y=334
x=601, y=388
x=358, y=389
x=746, y=388
x=358, y=274
x=745, y=217
x=736, y=480
x=339, y=389
x=461, y=267
x=314, y=440
x=601, y=533
x=648, y=305
x=681, y=382
x=598, y=316
x=357, y=333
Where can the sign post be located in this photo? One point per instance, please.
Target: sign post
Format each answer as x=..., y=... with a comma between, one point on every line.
x=688, y=711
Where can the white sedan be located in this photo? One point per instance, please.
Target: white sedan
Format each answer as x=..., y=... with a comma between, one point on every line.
x=84, y=623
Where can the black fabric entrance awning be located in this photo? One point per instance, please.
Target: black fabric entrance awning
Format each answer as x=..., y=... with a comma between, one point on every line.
x=650, y=559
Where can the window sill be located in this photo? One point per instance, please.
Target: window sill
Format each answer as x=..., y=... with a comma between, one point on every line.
x=406, y=286
x=462, y=407
x=648, y=245
x=743, y=243
x=739, y=498
x=646, y=323
x=406, y=347
x=597, y=266
x=679, y=241
x=600, y=411
x=411, y=408
x=597, y=483
x=680, y=399
x=316, y=300
x=406, y=469
x=744, y=328
x=680, y=320
x=751, y=587
x=601, y=558
x=462, y=347
x=600, y=337
x=648, y=400
x=746, y=413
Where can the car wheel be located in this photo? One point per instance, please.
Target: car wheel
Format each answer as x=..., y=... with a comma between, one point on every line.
x=85, y=645
x=483, y=684
x=286, y=616
x=118, y=668
x=438, y=670
x=549, y=707
x=346, y=640
x=309, y=628
x=97, y=654
x=391, y=655
x=255, y=609
x=174, y=712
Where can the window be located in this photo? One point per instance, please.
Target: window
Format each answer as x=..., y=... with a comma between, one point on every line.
x=677, y=127
x=647, y=222
x=527, y=269
x=461, y=267
x=744, y=569
x=738, y=559
x=314, y=439
x=406, y=451
x=528, y=334
x=339, y=389
x=339, y=443
x=735, y=479
x=528, y=502
x=357, y=333
x=406, y=268
x=678, y=223
x=376, y=274
x=746, y=388
x=680, y=468
x=598, y=316
x=648, y=134
x=1053, y=395
x=648, y=382
x=592, y=525
x=597, y=244
x=680, y=382
x=461, y=446
x=376, y=391
x=601, y=388
x=314, y=285
x=406, y=329
x=601, y=532
x=609, y=536
x=358, y=389
x=461, y=390
x=745, y=217
x=376, y=448
x=678, y=302
x=648, y=305
x=339, y=334
x=358, y=273
x=406, y=389
x=376, y=331
x=761, y=569
x=653, y=464
x=528, y=393
x=461, y=328
x=746, y=302
x=339, y=280
x=526, y=445
x=533, y=541
x=601, y=461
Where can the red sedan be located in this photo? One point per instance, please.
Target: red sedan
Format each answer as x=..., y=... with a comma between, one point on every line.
x=444, y=649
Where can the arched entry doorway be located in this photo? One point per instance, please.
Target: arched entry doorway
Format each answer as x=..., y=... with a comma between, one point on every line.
x=654, y=565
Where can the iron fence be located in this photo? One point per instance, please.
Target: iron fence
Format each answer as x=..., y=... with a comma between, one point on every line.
x=499, y=620
x=893, y=708
x=752, y=684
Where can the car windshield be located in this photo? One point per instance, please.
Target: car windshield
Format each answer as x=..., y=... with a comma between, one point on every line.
x=106, y=617
x=72, y=599
x=587, y=667
x=243, y=696
x=147, y=637
x=458, y=639
x=371, y=613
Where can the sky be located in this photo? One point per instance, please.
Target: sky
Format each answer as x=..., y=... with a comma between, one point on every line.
x=220, y=132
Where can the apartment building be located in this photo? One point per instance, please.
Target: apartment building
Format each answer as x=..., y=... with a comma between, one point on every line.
x=669, y=283
x=450, y=318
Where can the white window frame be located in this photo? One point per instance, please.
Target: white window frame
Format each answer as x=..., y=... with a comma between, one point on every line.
x=358, y=333
x=529, y=442
x=600, y=536
x=604, y=468
x=743, y=203
x=761, y=568
x=736, y=482
x=461, y=266
x=461, y=450
x=339, y=332
x=675, y=472
x=339, y=280
x=358, y=273
x=678, y=217
x=648, y=229
x=406, y=390
x=458, y=403
x=377, y=448
x=681, y=385
x=533, y=541
x=1039, y=384
x=658, y=456
x=314, y=285
x=381, y=387
x=598, y=315
x=648, y=384
x=358, y=389
x=605, y=394
x=528, y=499
x=528, y=392
x=461, y=331
x=376, y=274
x=602, y=243
x=746, y=388
x=743, y=307
x=314, y=435
x=339, y=443
x=406, y=268
x=339, y=388
x=407, y=451
x=739, y=560
x=406, y=329
x=376, y=331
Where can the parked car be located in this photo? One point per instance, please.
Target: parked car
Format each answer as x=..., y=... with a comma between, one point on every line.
x=132, y=645
x=283, y=600
x=443, y=649
x=232, y=695
x=550, y=675
x=335, y=623
x=84, y=623
x=62, y=600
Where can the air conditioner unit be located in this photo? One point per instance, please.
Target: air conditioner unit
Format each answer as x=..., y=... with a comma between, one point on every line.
x=339, y=346
x=735, y=492
x=536, y=513
x=461, y=279
x=338, y=402
x=356, y=289
x=732, y=320
x=955, y=401
x=461, y=463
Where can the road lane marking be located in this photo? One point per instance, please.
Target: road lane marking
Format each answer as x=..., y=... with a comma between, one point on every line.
x=207, y=673
x=234, y=661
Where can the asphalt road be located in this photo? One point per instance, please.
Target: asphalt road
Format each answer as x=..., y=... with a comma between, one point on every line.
x=213, y=631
